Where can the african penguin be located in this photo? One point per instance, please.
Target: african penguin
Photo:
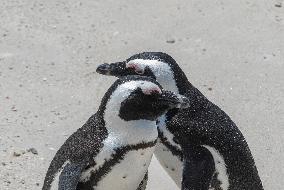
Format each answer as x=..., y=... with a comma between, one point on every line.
x=200, y=147
x=113, y=149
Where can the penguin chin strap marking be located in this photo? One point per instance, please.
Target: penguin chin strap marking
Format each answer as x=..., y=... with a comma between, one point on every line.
x=220, y=167
x=165, y=133
x=97, y=172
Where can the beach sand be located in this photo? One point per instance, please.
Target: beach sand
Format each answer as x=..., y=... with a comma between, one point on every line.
x=232, y=51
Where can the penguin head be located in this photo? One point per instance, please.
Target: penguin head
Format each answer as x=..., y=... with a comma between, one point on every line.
x=157, y=65
x=139, y=97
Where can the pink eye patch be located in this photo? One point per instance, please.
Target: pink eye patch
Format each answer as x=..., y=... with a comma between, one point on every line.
x=136, y=68
x=153, y=90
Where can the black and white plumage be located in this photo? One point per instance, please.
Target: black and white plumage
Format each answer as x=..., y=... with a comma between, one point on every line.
x=113, y=149
x=200, y=146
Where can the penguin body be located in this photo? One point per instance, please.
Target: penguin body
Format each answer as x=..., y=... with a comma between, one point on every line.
x=216, y=154
x=200, y=147
x=114, y=147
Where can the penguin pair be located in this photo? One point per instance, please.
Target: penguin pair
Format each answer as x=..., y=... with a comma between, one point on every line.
x=113, y=149
x=200, y=147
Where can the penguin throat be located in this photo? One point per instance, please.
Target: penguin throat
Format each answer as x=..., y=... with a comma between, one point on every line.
x=122, y=132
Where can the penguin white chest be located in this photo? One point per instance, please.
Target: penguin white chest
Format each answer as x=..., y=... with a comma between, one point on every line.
x=169, y=162
x=127, y=173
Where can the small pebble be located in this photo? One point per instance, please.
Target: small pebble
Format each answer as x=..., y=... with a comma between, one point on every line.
x=14, y=108
x=171, y=41
x=278, y=5
x=33, y=150
x=17, y=153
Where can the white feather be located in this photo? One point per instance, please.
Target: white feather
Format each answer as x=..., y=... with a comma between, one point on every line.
x=162, y=71
x=220, y=167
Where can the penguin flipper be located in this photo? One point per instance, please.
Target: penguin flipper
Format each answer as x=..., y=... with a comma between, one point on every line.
x=199, y=167
x=70, y=176
x=143, y=183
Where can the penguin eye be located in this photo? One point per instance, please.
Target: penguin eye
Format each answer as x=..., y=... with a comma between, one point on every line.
x=152, y=91
x=140, y=72
x=136, y=68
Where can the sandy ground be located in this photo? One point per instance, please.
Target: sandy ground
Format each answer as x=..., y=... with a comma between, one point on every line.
x=233, y=51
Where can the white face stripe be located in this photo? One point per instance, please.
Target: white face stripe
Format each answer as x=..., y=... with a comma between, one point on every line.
x=162, y=71
x=146, y=87
x=220, y=167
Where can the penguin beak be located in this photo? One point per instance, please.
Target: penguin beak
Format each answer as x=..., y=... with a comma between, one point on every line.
x=174, y=100
x=117, y=69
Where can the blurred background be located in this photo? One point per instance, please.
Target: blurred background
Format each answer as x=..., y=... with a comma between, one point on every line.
x=233, y=51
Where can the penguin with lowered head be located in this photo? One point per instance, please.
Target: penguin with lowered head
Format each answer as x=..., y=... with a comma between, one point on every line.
x=113, y=149
x=200, y=147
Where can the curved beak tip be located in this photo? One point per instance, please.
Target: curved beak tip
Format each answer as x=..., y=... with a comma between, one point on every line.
x=103, y=69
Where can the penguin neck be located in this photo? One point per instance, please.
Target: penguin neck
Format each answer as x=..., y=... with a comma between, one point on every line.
x=178, y=82
x=122, y=132
x=181, y=81
x=133, y=132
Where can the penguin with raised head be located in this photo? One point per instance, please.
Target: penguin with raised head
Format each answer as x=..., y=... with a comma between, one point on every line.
x=200, y=147
x=113, y=149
